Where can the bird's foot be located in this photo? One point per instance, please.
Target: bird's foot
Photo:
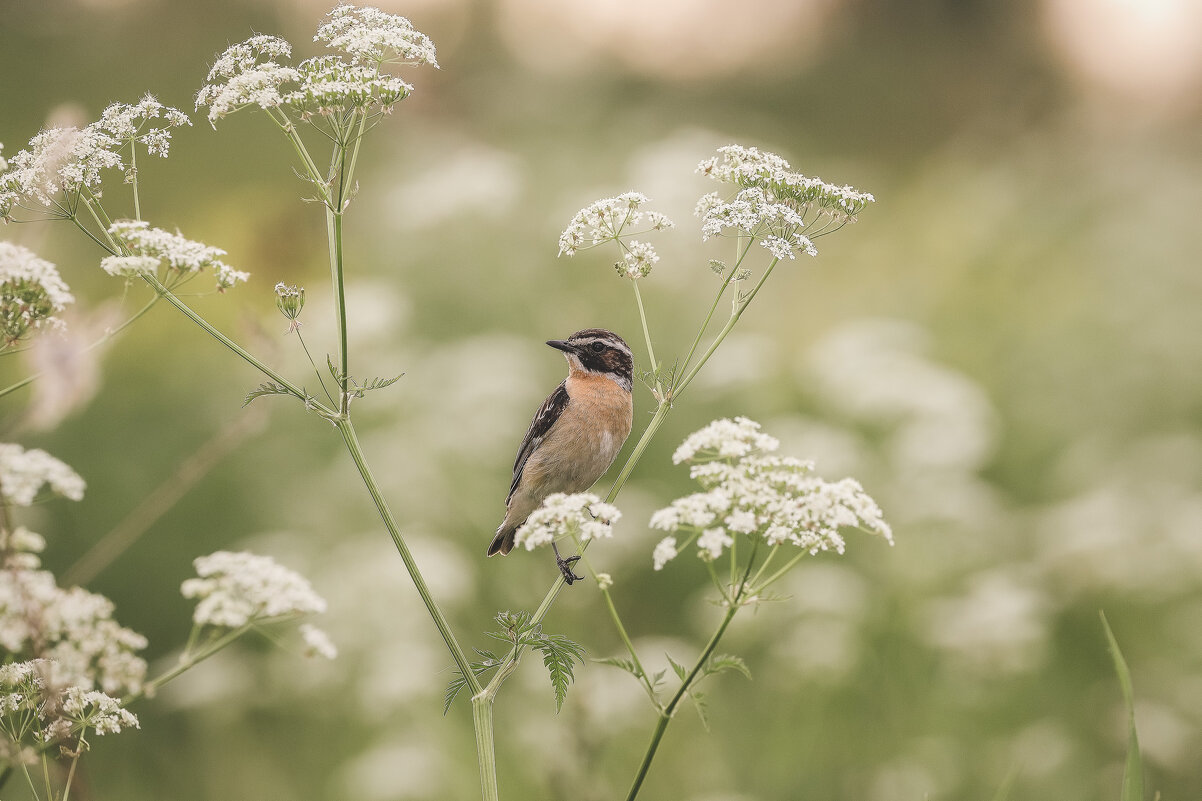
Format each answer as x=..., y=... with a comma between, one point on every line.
x=565, y=567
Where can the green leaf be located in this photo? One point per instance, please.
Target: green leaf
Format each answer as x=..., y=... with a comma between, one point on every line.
x=269, y=388
x=702, y=709
x=719, y=267
x=680, y=670
x=489, y=662
x=359, y=390
x=334, y=371
x=559, y=655
x=622, y=664
x=719, y=663
x=1133, y=773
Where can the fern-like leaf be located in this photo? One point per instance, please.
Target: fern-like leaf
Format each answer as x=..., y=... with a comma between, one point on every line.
x=486, y=664
x=702, y=709
x=621, y=664
x=719, y=663
x=559, y=656
x=269, y=388
x=680, y=670
x=359, y=390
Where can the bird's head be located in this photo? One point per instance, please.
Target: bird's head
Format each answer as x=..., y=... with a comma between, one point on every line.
x=600, y=352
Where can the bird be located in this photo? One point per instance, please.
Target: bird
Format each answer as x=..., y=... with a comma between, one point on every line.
x=576, y=433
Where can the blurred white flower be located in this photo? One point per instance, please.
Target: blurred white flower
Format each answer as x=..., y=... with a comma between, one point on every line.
x=723, y=439
x=238, y=588
x=317, y=642
x=998, y=624
x=581, y=515
x=31, y=293
x=24, y=472
x=665, y=551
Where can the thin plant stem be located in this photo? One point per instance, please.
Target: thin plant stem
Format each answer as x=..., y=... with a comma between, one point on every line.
x=133, y=171
x=638, y=297
x=71, y=775
x=352, y=443
x=334, y=234
x=312, y=363
x=171, y=298
x=669, y=710
x=107, y=336
x=775, y=576
x=634, y=656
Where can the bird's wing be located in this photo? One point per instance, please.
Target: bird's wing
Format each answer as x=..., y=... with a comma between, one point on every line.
x=544, y=418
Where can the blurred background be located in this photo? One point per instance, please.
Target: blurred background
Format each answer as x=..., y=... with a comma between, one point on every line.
x=1004, y=350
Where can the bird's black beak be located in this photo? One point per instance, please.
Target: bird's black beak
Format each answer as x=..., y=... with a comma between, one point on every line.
x=559, y=344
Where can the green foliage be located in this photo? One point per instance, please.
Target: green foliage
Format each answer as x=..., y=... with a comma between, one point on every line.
x=720, y=663
x=518, y=630
x=480, y=667
x=267, y=388
x=1133, y=773
x=356, y=390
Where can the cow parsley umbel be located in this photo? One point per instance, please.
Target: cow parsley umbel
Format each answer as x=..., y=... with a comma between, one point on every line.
x=581, y=516
x=238, y=589
x=31, y=294
x=614, y=219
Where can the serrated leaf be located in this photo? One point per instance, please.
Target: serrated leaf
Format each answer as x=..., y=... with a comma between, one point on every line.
x=658, y=678
x=702, y=710
x=333, y=370
x=623, y=664
x=489, y=662
x=719, y=267
x=559, y=657
x=359, y=390
x=719, y=663
x=1133, y=772
x=269, y=388
x=680, y=670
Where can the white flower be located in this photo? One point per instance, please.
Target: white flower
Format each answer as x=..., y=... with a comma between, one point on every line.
x=664, y=552
x=127, y=122
x=317, y=642
x=749, y=492
x=637, y=261
x=72, y=627
x=369, y=35
x=103, y=713
x=582, y=515
x=129, y=266
x=724, y=439
x=712, y=541
x=609, y=219
x=24, y=472
x=31, y=293
x=604, y=581
x=58, y=160
x=327, y=84
x=173, y=251
x=246, y=74
x=236, y=589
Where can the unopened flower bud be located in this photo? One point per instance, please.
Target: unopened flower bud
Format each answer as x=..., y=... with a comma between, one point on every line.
x=290, y=300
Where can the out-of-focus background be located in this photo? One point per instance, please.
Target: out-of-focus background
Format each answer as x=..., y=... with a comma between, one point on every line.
x=1005, y=350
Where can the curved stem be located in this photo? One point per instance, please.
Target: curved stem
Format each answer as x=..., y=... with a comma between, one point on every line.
x=171, y=298
x=461, y=663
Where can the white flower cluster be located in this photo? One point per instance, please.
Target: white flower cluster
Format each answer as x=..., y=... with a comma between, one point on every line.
x=72, y=159
x=247, y=74
x=371, y=36
x=19, y=549
x=31, y=293
x=773, y=202
x=327, y=83
x=72, y=627
x=127, y=123
x=58, y=160
x=28, y=694
x=724, y=439
x=252, y=73
x=611, y=219
x=238, y=588
x=746, y=492
x=317, y=642
x=581, y=515
x=24, y=472
x=148, y=248
x=102, y=713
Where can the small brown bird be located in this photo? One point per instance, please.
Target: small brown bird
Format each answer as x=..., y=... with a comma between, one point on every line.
x=575, y=434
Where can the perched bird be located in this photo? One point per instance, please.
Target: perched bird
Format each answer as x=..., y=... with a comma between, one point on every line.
x=575, y=434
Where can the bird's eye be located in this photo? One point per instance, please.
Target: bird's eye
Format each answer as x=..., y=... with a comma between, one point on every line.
x=597, y=347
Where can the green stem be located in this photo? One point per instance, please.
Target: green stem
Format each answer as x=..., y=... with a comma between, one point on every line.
x=70, y=777
x=298, y=145
x=133, y=169
x=665, y=717
x=775, y=576
x=186, y=663
x=107, y=336
x=642, y=673
x=313, y=364
x=638, y=297
x=171, y=298
x=485, y=746
x=726, y=329
x=334, y=235
x=352, y=443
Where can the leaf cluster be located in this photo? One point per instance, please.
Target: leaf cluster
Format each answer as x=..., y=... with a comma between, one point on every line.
x=519, y=630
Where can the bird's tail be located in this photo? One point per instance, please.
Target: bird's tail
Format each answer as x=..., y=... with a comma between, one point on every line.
x=502, y=543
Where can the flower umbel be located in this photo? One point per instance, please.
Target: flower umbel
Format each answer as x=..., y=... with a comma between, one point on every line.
x=746, y=491
x=247, y=74
x=611, y=219
x=149, y=248
x=24, y=472
x=370, y=36
x=238, y=588
x=581, y=516
x=31, y=293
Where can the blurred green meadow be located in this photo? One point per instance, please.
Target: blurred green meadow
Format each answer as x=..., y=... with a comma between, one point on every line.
x=1004, y=350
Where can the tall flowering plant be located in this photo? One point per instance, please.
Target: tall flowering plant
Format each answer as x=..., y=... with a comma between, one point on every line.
x=757, y=514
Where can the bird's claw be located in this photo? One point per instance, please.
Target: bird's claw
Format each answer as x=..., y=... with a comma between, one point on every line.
x=565, y=567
